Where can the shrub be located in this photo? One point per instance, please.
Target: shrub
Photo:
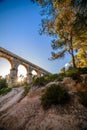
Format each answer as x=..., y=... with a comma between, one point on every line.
x=83, y=98
x=83, y=70
x=3, y=83
x=51, y=77
x=4, y=87
x=73, y=73
x=76, y=72
x=61, y=76
x=4, y=91
x=54, y=77
x=40, y=81
x=54, y=95
x=26, y=90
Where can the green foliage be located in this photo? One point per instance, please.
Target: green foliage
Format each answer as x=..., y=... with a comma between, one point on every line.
x=4, y=91
x=83, y=98
x=80, y=24
x=54, y=95
x=26, y=90
x=66, y=21
x=51, y=77
x=3, y=83
x=4, y=87
x=61, y=76
x=76, y=72
x=81, y=57
x=83, y=70
x=40, y=81
x=73, y=73
x=62, y=70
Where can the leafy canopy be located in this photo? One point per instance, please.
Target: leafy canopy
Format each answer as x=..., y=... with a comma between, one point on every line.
x=66, y=21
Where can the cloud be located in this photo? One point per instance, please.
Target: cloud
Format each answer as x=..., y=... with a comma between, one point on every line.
x=67, y=65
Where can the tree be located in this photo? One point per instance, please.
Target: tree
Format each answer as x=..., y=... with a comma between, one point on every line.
x=62, y=70
x=64, y=30
x=81, y=58
x=80, y=23
x=60, y=21
x=80, y=29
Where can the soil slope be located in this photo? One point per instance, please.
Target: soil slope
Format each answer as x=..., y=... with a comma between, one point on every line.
x=28, y=114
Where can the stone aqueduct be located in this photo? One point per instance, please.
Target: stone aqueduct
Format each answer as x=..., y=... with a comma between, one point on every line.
x=15, y=61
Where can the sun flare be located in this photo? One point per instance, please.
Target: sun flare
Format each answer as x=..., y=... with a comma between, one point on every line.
x=22, y=73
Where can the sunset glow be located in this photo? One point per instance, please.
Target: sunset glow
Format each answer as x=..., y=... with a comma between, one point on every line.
x=34, y=72
x=22, y=73
x=4, y=67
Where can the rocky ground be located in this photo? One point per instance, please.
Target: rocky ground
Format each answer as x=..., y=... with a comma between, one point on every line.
x=17, y=113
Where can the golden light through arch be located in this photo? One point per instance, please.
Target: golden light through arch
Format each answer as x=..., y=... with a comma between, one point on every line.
x=5, y=67
x=34, y=72
x=22, y=73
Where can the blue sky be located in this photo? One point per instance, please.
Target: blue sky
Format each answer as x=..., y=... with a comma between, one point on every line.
x=19, y=25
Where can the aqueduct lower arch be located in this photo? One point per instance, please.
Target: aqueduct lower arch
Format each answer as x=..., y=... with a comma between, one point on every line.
x=15, y=62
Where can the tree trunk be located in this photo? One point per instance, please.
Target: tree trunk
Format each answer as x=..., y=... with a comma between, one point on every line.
x=73, y=59
x=72, y=52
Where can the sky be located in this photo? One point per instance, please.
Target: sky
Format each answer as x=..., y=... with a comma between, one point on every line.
x=19, y=25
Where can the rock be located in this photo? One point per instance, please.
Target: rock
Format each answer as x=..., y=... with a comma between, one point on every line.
x=68, y=80
x=69, y=83
x=51, y=83
x=84, y=79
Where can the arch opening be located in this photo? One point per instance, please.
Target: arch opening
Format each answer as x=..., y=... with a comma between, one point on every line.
x=22, y=74
x=34, y=73
x=5, y=67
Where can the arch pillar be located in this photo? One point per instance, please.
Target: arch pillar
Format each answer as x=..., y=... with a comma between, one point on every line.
x=29, y=75
x=13, y=74
x=38, y=73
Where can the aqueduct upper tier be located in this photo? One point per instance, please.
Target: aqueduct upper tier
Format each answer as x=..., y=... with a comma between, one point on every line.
x=15, y=61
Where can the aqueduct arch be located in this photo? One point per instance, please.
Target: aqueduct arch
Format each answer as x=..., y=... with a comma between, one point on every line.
x=22, y=73
x=5, y=67
x=15, y=62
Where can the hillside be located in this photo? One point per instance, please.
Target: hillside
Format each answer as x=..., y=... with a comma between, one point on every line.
x=26, y=113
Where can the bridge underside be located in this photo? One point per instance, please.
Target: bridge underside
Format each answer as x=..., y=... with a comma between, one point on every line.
x=15, y=61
